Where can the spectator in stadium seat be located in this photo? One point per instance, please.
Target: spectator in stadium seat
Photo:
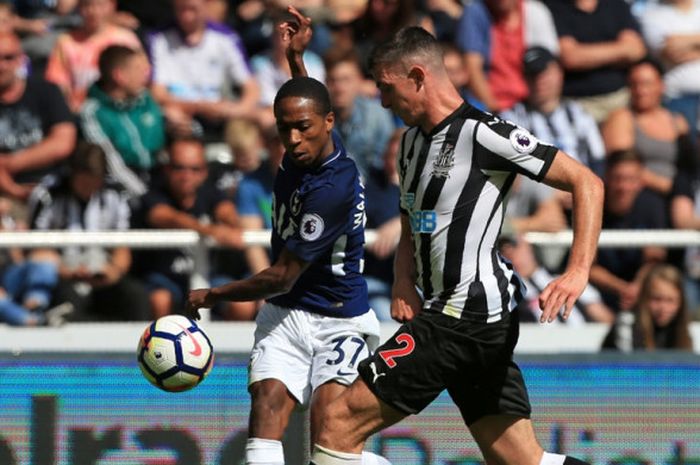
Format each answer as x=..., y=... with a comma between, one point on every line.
x=121, y=116
x=659, y=136
x=36, y=128
x=92, y=278
x=383, y=215
x=40, y=24
x=618, y=273
x=73, y=64
x=253, y=197
x=552, y=118
x=598, y=41
x=659, y=319
x=185, y=200
x=672, y=32
x=589, y=307
x=197, y=68
x=456, y=67
x=27, y=280
x=364, y=126
x=685, y=214
x=493, y=35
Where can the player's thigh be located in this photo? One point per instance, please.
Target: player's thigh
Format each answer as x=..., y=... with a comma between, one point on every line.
x=507, y=440
x=413, y=366
x=281, y=350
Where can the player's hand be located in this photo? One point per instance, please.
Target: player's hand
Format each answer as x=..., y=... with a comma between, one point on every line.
x=196, y=299
x=295, y=34
x=562, y=292
x=405, y=302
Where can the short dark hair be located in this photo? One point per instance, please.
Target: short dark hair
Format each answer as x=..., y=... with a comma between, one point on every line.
x=617, y=157
x=339, y=56
x=112, y=58
x=89, y=159
x=651, y=61
x=409, y=42
x=306, y=87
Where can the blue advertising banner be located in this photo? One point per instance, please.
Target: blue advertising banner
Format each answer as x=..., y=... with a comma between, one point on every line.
x=96, y=409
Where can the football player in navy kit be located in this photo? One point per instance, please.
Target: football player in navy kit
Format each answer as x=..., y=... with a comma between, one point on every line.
x=316, y=325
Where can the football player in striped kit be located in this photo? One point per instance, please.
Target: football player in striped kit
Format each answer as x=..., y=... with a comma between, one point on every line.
x=452, y=290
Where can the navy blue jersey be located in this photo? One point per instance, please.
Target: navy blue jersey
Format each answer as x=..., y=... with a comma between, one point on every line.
x=319, y=216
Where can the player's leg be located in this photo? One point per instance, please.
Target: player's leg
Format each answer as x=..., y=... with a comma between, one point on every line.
x=508, y=440
x=340, y=345
x=322, y=398
x=401, y=378
x=347, y=423
x=278, y=379
x=271, y=407
x=493, y=400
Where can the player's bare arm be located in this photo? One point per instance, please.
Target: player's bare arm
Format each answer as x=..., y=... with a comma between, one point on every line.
x=587, y=192
x=275, y=280
x=296, y=35
x=405, y=300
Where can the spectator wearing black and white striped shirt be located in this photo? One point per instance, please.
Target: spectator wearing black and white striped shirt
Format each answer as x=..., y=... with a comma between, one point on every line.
x=552, y=119
x=94, y=279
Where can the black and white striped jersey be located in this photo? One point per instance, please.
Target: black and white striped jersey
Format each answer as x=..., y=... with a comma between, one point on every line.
x=453, y=184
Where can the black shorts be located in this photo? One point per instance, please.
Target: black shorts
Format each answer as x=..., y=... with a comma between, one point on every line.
x=433, y=352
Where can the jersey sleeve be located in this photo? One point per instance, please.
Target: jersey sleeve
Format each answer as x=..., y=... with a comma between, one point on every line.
x=502, y=146
x=323, y=217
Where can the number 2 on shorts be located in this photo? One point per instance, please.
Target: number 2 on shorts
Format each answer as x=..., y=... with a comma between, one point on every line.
x=407, y=344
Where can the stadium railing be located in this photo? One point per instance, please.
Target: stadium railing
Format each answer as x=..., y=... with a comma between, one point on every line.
x=534, y=338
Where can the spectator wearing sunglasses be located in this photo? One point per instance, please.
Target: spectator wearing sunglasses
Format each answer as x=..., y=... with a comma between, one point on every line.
x=185, y=199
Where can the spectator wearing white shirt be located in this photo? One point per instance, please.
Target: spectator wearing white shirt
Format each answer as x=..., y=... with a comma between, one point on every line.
x=201, y=71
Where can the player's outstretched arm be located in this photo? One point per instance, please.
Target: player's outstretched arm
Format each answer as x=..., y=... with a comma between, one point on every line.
x=275, y=280
x=587, y=191
x=296, y=35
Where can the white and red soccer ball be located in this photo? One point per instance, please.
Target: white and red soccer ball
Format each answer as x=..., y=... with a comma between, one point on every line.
x=174, y=353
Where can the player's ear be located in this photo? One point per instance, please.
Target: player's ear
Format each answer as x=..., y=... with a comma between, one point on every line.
x=417, y=75
x=330, y=121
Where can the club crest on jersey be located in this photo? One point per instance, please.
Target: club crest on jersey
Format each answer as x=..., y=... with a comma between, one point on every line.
x=311, y=227
x=295, y=203
x=522, y=141
x=444, y=161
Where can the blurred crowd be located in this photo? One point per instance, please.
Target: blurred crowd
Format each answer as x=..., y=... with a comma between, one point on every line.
x=158, y=114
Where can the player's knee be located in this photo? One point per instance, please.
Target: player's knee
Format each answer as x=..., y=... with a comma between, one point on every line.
x=270, y=406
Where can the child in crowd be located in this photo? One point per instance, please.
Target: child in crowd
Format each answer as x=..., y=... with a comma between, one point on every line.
x=659, y=319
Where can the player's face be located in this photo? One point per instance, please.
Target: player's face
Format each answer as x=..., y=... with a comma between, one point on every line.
x=399, y=94
x=664, y=301
x=304, y=132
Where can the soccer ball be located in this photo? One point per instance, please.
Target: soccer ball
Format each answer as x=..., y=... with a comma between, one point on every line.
x=174, y=353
